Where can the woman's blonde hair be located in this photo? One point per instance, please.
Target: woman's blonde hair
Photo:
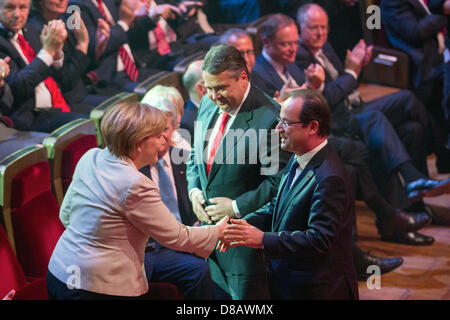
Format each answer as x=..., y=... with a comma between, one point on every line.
x=126, y=124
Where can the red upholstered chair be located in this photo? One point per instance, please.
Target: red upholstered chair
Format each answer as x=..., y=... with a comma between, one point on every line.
x=164, y=291
x=65, y=146
x=12, y=276
x=30, y=210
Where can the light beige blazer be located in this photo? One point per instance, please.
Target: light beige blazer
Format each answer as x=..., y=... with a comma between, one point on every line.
x=109, y=211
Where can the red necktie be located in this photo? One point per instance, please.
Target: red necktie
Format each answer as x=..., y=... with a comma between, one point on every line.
x=130, y=68
x=57, y=98
x=217, y=140
x=161, y=42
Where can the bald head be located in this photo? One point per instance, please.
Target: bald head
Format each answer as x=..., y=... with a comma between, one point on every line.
x=193, y=81
x=313, y=22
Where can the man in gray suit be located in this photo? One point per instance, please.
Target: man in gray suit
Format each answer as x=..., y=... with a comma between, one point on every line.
x=235, y=164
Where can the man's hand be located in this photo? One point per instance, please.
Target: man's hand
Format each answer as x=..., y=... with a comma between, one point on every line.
x=81, y=34
x=355, y=58
x=221, y=207
x=315, y=76
x=143, y=8
x=198, y=201
x=286, y=90
x=189, y=8
x=367, y=56
x=101, y=37
x=53, y=36
x=241, y=233
x=165, y=11
x=4, y=70
x=127, y=11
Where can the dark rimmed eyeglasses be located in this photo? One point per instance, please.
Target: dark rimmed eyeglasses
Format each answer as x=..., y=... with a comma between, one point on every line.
x=286, y=123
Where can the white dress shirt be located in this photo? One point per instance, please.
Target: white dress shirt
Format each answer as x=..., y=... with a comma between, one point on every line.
x=42, y=94
x=304, y=159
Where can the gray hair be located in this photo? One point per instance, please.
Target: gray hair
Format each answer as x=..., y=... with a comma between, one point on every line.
x=168, y=107
x=236, y=32
x=302, y=12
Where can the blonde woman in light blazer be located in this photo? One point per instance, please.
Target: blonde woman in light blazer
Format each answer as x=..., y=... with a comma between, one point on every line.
x=111, y=209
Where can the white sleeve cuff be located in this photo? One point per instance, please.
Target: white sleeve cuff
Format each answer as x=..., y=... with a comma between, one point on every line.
x=124, y=26
x=192, y=191
x=236, y=209
x=46, y=57
x=58, y=63
x=353, y=73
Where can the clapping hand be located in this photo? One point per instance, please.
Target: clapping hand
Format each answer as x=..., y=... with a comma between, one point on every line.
x=315, y=76
x=53, y=36
x=4, y=70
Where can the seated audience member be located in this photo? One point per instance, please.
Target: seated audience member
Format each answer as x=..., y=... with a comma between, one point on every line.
x=11, y=139
x=279, y=34
x=275, y=71
x=118, y=66
x=180, y=138
x=111, y=209
x=416, y=27
x=188, y=272
x=372, y=122
x=36, y=69
x=75, y=51
x=177, y=34
x=306, y=230
x=194, y=85
x=241, y=40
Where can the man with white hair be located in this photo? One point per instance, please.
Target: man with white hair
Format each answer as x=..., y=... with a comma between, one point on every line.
x=188, y=272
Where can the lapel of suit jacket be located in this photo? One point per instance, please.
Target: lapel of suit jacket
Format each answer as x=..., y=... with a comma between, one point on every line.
x=8, y=49
x=419, y=8
x=113, y=9
x=333, y=57
x=32, y=38
x=269, y=73
x=297, y=188
x=206, y=121
x=236, y=132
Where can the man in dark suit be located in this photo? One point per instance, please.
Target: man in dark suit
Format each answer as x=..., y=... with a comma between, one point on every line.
x=374, y=121
x=279, y=30
x=417, y=29
x=193, y=83
x=235, y=163
x=118, y=64
x=36, y=69
x=308, y=225
x=188, y=272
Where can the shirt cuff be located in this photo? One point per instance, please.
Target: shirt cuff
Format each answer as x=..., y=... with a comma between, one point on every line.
x=353, y=73
x=45, y=57
x=58, y=63
x=192, y=191
x=236, y=209
x=124, y=26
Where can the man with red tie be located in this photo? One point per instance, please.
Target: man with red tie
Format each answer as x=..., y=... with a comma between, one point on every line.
x=119, y=65
x=235, y=164
x=36, y=65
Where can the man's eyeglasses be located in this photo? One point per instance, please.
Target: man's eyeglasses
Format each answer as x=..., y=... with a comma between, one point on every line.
x=285, y=123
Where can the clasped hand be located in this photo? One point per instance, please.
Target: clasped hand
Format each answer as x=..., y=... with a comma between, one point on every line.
x=240, y=233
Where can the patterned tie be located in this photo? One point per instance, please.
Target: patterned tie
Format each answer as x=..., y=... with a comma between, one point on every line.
x=57, y=98
x=166, y=190
x=130, y=68
x=161, y=42
x=217, y=140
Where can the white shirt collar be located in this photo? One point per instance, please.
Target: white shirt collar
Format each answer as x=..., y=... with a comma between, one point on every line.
x=305, y=158
x=279, y=68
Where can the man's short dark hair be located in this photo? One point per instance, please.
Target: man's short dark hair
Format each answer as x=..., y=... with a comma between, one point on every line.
x=224, y=57
x=273, y=24
x=315, y=107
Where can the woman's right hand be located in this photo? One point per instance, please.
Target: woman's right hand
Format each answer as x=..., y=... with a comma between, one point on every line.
x=222, y=245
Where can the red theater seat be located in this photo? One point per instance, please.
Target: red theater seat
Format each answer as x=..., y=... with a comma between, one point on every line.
x=30, y=210
x=12, y=276
x=65, y=146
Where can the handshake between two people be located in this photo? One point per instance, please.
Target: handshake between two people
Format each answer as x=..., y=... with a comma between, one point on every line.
x=238, y=233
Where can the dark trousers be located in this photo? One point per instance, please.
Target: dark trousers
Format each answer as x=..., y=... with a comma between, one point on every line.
x=188, y=272
x=58, y=290
x=50, y=119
